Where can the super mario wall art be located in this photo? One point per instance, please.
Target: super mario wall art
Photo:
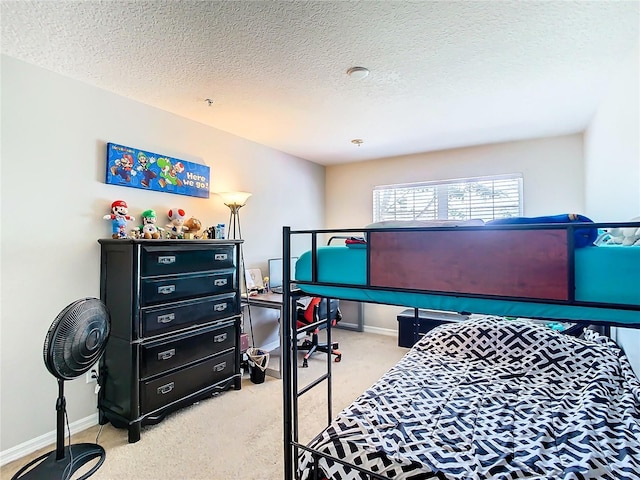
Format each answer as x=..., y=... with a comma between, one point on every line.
x=130, y=167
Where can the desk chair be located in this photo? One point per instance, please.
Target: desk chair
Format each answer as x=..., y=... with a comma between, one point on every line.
x=316, y=311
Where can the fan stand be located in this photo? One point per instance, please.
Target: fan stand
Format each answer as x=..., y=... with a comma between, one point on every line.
x=62, y=462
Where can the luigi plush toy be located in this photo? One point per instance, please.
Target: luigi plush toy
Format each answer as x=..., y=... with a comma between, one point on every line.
x=148, y=229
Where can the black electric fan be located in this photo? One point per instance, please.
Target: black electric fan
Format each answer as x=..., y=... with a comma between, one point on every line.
x=74, y=343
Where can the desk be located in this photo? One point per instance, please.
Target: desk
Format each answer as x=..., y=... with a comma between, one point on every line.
x=273, y=301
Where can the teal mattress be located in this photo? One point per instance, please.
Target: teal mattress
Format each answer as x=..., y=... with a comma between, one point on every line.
x=604, y=274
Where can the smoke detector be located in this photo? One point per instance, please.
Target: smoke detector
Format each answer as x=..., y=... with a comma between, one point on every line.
x=358, y=72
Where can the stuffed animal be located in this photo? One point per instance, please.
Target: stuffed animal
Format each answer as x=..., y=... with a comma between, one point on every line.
x=148, y=229
x=119, y=217
x=176, y=227
x=193, y=225
x=625, y=235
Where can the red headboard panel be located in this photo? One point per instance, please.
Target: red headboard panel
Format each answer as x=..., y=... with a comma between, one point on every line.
x=508, y=263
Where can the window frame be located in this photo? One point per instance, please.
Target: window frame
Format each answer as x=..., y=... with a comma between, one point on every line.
x=442, y=208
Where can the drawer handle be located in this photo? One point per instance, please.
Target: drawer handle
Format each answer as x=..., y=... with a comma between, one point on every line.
x=220, y=307
x=167, y=354
x=220, y=338
x=166, y=289
x=163, y=390
x=220, y=367
x=167, y=260
x=220, y=256
x=220, y=282
x=169, y=317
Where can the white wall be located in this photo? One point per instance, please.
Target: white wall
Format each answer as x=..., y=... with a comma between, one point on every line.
x=612, y=159
x=612, y=149
x=54, y=135
x=553, y=182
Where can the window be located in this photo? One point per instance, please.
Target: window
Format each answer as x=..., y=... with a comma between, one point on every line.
x=461, y=199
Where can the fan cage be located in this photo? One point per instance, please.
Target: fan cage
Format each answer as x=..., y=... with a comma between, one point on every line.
x=77, y=338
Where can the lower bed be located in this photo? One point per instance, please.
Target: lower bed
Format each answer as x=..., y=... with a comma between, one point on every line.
x=492, y=399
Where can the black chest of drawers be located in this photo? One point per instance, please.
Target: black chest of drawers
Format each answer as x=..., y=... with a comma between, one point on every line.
x=175, y=327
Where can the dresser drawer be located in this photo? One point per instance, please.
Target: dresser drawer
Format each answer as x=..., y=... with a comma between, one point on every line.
x=182, y=349
x=180, y=383
x=165, y=318
x=185, y=259
x=171, y=289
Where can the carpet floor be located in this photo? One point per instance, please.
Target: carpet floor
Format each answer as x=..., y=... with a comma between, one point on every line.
x=238, y=434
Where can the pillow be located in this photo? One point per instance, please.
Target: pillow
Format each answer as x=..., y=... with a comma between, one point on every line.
x=425, y=223
x=626, y=236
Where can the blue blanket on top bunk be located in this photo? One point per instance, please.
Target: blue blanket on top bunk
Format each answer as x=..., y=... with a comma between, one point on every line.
x=582, y=237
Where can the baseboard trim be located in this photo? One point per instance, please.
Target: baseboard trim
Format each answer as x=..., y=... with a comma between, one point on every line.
x=271, y=346
x=381, y=331
x=30, y=446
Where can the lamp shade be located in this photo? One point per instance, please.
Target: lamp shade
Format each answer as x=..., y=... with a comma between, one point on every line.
x=237, y=199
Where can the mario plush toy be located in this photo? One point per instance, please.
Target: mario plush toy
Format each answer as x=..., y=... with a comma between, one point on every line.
x=119, y=219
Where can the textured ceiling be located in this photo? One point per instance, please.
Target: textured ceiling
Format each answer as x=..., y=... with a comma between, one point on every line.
x=443, y=74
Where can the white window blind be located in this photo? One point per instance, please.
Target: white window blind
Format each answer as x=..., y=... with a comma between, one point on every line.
x=487, y=198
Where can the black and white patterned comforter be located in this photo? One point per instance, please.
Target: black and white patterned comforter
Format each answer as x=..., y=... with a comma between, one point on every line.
x=493, y=399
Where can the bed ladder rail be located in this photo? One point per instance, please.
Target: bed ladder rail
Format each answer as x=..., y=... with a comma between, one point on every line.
x=291, y=385
x=325, y=376
x=289, y=359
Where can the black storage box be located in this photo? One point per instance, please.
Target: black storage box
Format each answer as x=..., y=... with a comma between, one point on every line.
x=411, y=329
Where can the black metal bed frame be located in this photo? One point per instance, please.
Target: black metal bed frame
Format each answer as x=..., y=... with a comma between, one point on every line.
x=292, y=446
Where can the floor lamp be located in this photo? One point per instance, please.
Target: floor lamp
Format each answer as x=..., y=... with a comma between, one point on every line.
x=235, y=201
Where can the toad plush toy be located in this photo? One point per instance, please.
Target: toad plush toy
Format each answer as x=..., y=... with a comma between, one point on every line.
x=176, y=228
x=626, y=236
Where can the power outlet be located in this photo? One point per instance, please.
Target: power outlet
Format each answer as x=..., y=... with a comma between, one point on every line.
x=92, y=375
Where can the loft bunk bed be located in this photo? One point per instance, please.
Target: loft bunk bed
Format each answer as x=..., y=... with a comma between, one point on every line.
x=485, y=398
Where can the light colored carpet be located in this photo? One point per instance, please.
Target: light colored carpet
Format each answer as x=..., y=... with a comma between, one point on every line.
x=238, y=434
